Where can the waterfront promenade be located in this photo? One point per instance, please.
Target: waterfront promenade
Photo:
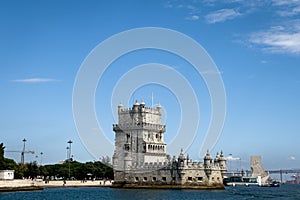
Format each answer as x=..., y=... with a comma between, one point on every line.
x=28, y=184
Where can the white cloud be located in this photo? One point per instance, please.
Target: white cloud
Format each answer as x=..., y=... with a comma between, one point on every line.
x=289, y=12
x=193, y=17
x=232, y=158
x=263, y=61
x=285, y=2
x=279, y=39
x=192, y=11
x=35, y=80
x=292, y=158
x=168, y=4
x=287, y=8
x=221, y=15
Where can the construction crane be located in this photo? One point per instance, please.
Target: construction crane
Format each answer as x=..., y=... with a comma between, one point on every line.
x=22, y=152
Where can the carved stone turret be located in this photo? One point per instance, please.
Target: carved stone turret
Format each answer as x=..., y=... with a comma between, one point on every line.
x=207, y=164
x=207, y=159
x=217, y=158
x=222, y=163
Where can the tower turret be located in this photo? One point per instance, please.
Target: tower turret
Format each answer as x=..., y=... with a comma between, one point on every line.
x=207, y=164
x=181, y=158
x=159, y=108
x=216, y=158
x=120, y=106
x=135, y=106
x=142, y=104
x=207, y=159
x=222, y=163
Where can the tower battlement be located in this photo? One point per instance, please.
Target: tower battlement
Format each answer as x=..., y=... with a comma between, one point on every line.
x=139, y=114
x=154, y=110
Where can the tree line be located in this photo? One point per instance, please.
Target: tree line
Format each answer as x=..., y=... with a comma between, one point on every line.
x=68, y=170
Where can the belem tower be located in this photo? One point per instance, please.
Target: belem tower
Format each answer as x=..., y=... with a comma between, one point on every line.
x=140, y=159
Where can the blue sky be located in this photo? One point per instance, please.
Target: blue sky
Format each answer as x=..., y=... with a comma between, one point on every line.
x=255, y=45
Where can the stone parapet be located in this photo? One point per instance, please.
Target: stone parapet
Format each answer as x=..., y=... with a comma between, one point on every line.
x=156, y=110
x=140, y=126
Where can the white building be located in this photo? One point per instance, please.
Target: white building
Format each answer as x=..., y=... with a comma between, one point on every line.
x=7, y=174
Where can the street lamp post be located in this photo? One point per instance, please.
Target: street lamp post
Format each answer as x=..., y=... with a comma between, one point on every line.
x=69, y=156
x=41, y=158
x=70, y=150
x=69, y=171
x=36, y=160
x=23, y=152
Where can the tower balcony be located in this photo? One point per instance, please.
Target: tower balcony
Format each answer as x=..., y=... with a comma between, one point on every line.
x=146, y=126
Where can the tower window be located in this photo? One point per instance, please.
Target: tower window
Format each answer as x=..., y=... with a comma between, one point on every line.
x=145, y=178
x=126, y=147
x=190, y=178
x=127, y=137
x=154, y=178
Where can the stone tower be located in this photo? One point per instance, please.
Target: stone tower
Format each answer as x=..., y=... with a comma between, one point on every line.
x=140, y=160
x=139, y=137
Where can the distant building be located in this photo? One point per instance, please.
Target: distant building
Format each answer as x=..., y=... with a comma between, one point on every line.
x=256, y=166
x=140, y=158
x=7, y=174
x=258, y=171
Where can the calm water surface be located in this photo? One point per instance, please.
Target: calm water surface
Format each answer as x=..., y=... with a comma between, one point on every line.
x=283, y=192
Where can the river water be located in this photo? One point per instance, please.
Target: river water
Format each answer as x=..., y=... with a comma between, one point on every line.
x=253, y=192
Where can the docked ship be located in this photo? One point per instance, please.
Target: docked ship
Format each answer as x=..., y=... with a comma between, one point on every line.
x=242, y=181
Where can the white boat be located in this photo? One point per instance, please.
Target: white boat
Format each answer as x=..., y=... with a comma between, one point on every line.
x=241, y=181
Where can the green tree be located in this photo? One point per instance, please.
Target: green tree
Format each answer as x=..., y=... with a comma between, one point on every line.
x=2, y=147
x=78, y=170
x=9, y=164
x=31, y=170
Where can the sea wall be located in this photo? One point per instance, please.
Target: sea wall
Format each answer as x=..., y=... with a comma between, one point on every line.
x=28, y=184
x=78, y=183
x=19, y=185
